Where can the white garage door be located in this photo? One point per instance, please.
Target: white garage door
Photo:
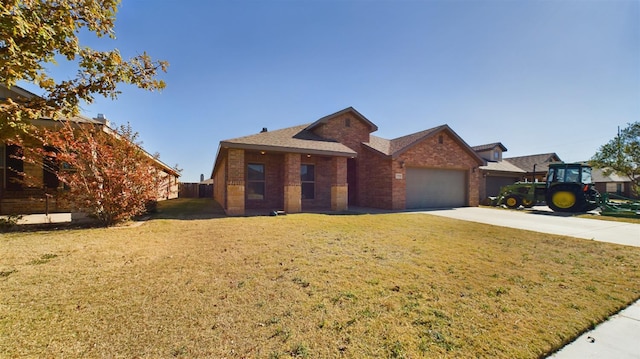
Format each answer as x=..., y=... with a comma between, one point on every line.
x=435, y=188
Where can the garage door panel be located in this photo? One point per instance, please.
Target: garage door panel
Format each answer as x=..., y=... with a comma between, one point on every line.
x=433, y=188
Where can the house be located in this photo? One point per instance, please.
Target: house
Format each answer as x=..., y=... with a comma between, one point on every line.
x=535, y=165
x=496, y=172
x=16, y=197
x=612, y=183
x=335, y=162
x=499, y=171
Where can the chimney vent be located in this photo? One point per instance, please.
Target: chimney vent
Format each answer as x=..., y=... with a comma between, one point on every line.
x=103, y=120
x=264, y=129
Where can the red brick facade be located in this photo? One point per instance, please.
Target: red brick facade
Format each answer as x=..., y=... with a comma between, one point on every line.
x=368, y=178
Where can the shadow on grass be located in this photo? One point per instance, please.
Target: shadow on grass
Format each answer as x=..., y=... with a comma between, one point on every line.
x=188, y=209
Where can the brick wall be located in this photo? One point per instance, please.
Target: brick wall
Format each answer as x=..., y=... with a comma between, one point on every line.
x=379, y=187
x=220, y=182
x=374, y=182
x=448, y=155
x=351, y=136
x=235, y=184
x=292, y=185
x=32, y=202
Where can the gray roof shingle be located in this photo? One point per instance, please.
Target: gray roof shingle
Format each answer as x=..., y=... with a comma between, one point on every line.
x=488, y=146
x=293, y=139
x=540, y=161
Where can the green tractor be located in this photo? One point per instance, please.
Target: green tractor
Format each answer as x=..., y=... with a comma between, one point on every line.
x=569, y=188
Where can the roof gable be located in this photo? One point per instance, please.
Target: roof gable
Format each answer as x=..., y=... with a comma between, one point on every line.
x=396, y=147
x=356, y=114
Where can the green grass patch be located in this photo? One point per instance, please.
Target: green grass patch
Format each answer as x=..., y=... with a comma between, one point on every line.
x=306, y=285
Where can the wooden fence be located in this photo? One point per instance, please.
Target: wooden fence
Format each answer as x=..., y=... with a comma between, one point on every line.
x=195, y=190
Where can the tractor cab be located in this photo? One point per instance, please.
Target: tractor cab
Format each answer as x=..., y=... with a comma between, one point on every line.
x=570, y=188
x=569, y=173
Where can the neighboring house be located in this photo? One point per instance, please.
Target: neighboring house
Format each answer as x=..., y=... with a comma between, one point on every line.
x=335, y=162
x=535, y=165
x=16, y=197
x=496, y=172
x=612, y=183
x=499, y=171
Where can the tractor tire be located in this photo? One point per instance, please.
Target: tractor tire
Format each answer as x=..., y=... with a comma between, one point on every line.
x=566, y=198
x=592, y=199
x=527, y=203
x=512, y=201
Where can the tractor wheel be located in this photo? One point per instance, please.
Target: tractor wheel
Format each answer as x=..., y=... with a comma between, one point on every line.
x=566, y=198
x=512, y=201
x=592, y=201
x=527, y=203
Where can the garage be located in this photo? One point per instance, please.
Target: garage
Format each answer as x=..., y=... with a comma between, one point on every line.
x=436, y=188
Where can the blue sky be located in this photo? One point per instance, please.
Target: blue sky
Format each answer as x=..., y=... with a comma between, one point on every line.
x=537, y=76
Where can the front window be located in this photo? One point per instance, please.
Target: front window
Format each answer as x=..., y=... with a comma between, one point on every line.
x=308, y=181
x=255, y=181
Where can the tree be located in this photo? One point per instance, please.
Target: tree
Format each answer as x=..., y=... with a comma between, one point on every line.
x=105, y=172
x=35, y=33
x=622, y=155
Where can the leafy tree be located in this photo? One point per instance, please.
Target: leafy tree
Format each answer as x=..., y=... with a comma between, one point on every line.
x=622, y=155
x=35, y=33
x=105, y=172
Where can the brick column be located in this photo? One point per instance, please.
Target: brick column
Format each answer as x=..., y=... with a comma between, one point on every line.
x=235, y=182
x=339, y=187
x=292, y=188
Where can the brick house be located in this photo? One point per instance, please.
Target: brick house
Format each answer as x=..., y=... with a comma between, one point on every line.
x=335, y=162
x=16, y=197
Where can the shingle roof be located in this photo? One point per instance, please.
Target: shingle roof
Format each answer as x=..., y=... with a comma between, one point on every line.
x=400, y=144
x=293, y=139
x=397, y=146
x=489, y=146
x=379, y=144
x=598, y=176
x=502, y=166
x=540, y=161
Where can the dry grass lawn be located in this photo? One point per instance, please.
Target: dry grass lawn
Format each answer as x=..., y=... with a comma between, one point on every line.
x=305, y=285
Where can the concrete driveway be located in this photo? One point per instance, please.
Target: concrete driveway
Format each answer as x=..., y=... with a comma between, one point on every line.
x=541, y=219
x=619, y=336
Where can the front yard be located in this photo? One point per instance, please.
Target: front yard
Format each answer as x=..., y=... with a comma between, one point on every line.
x=305, y=285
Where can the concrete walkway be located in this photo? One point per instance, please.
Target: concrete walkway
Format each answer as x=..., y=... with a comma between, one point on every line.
x=619, y=336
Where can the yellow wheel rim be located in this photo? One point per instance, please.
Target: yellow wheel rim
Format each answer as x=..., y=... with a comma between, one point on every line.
x=526, y=202
x=511, y=202
x=564, y=199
